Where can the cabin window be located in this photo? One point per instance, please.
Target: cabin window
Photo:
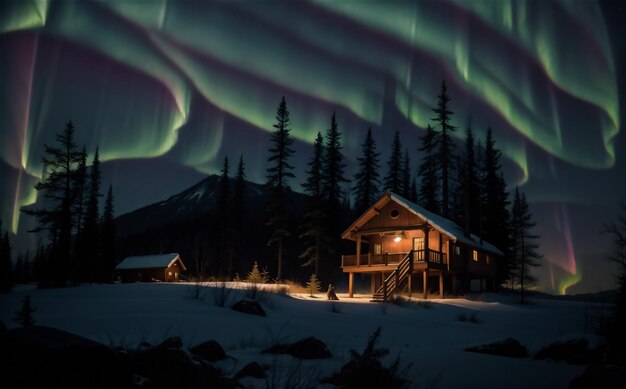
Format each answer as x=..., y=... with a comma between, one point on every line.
x=176, y=275
x=418, y=243
x=487, y=259
x=395, y=213
x=458, y=250
x=169, y=273
x=378, y=248
x=475, y=255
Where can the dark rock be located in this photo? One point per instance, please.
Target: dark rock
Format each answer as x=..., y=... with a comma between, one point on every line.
x=599, y=376
x=308, y=348
x=251, y=307
x=252, y=369
x=173, y=342
x=505, y=348
x=209, y=351
x=42, y=357
x=575, y=351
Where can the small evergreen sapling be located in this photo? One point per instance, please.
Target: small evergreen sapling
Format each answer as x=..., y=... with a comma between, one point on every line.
x=256, y=276
x=313, y=285
x=25, y=315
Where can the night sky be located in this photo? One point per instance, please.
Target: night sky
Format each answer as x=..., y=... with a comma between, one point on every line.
x=168, y=88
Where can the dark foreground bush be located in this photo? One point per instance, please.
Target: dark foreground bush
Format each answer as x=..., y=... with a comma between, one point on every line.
x=508, y=347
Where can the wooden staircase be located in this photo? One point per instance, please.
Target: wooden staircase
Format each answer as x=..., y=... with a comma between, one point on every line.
x=392, y=283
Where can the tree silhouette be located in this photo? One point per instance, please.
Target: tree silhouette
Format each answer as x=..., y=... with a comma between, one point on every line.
x=525, y=245
x=446, y=146
x=277, y=174
x=108, y=237
x=6, y=270
x=57, y=217
x=429, y=184
x=393, y=179
x=367, y=179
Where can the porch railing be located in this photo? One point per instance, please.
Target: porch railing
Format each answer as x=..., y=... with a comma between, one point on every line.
x=394, y=258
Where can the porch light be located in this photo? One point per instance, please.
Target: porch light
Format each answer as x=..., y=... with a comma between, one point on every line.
x=397, y=239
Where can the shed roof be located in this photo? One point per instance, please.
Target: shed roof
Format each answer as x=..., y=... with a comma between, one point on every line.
x=445, y=226
x=150, y=261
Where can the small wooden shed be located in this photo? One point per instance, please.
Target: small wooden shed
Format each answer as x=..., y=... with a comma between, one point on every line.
x=151, y=268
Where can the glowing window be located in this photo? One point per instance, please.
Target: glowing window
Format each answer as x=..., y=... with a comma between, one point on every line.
x=458, y=250
x=487, y=259
x=169, y=273
x=394, y=213
x=475, y=255
x=378, y=248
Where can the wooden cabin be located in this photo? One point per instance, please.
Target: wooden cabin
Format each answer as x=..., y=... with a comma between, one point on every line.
x=402, y=246
x=151, y=268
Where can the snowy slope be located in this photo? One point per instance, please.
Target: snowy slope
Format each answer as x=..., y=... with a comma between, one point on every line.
x=430, y=339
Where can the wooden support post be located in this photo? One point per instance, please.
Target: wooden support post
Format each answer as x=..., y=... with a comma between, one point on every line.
x=454, y=284
x=350, y=284
x=358, y=250
x=373, y=283
x=426, y=253
x=441, y=285
x=409, y=281
x=425, y=284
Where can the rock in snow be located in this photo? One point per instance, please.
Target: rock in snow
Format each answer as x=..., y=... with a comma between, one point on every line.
x=307, y=348
x=209, y=351
x=251, y=307
x=508, y=347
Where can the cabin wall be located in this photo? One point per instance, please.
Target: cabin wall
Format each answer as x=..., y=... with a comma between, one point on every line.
x=384, y=219
x=142, y=275
x=464, y=262
x=172, y=273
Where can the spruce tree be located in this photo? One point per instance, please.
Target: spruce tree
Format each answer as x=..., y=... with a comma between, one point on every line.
x=92, y=270
x=413, y=193
x=429, y=185
x=313, y=285
x=238, y=215
x=467, y=195
x=80, y=192
x=406, y=175
x=496, y=217
x=446, y=146
x=278, y=173
x=6, y=273
x=393, y=179
x=314, y=235
x=333, y=170
x=525, y=244
x=57, y=216
x=367, y=179
x=108, y=237
x=223, y=219
x=25, y=315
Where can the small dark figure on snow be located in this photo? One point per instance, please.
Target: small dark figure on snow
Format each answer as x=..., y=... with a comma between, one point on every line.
x=331, y=292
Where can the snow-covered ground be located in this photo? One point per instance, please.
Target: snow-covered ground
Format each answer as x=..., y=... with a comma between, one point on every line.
x=428, y=336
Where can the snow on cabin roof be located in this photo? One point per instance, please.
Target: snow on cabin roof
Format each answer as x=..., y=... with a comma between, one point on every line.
x=149, y=261
x=446, y=226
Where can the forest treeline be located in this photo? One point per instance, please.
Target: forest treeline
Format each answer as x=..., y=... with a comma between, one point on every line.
x=293, y=235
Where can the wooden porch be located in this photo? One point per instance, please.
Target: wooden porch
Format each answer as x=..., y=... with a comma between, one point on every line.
x=365, y=263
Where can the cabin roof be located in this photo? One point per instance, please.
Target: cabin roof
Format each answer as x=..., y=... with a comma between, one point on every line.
x=150, y=261
x=445, y=226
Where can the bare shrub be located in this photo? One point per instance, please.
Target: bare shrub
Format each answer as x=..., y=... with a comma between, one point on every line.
x=221, y=294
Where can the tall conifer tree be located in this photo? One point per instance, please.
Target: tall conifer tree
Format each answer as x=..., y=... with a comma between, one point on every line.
x=446, y=146
x=278, y=173
x=406, y=175
x=108, y=237
x=367, y=179
x=393, y=179
x=429, y=185
x=525, y=244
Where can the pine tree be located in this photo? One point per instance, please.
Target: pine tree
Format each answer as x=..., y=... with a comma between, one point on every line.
x=57, y=218
x=108, y=237
x=467, y=195
x=6, y=275
x=525, y=243
x=313, y=285
x=238, y=215
x=496, y=217
x=80, y=184
x=406, y=175
x=393, y=179
x=427, y=195
x=277, y=174
x=223, y=219
x=446, y=146
x=314, y=235
x=255, y=276
x=333, y=171
x=25, y=315
x=91, y=261
x=413, y=192
x=367, y=180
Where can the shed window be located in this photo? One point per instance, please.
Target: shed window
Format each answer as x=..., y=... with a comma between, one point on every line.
x=475, y=255
x=169, y=273
x=458, y=250
x=487, y=259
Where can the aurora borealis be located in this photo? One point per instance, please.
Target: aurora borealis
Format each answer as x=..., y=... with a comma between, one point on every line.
x=166, y=89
